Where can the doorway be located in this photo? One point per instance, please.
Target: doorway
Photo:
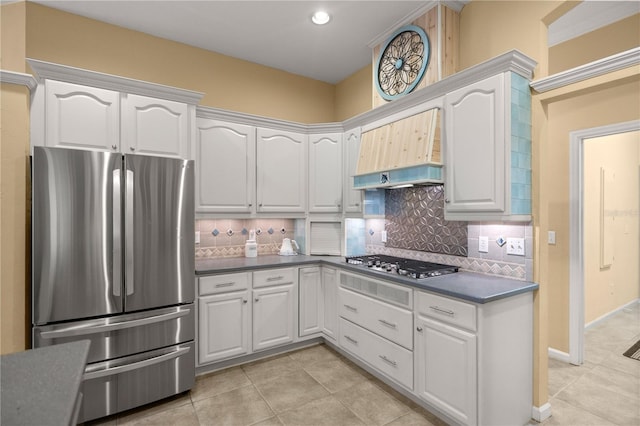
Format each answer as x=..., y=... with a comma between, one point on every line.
x=577, y=231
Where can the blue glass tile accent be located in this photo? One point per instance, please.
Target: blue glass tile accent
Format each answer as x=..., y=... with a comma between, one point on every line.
x=244, y=231
x=520, y=145
x=270, y=231
x=215, y=232
x=356, y=241
x=374, y=200
x=371, y=232
x=424, y=172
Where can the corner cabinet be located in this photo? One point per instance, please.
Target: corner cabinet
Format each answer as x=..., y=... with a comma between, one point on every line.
x=225, y=166
x=488, y=150
x=325, y=173
x=281, y=171
x=352, y=197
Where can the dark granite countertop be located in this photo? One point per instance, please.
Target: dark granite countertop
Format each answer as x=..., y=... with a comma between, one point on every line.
x=473, y=287
x=40, y=386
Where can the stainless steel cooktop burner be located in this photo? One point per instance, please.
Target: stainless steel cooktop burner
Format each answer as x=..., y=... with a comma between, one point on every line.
x=406, y=267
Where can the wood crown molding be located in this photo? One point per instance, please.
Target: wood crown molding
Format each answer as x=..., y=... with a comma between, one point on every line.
x=13, y=77
x=602, y=66
x=47, y=70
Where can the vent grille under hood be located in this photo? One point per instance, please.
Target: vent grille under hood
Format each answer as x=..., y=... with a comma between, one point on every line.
x=402, y=153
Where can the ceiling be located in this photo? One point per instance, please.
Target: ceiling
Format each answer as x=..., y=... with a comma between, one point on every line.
x=277, y=34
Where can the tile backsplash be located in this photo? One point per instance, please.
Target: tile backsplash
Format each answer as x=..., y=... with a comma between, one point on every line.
x=227, y=237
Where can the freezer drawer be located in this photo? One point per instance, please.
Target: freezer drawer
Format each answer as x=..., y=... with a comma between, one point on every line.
x=123, y=335
x=114, y=386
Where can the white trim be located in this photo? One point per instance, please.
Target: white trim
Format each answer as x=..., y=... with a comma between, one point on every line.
x=576, y=231
x=587, y=17
x=47, y=70
x=22, y=79
x=610, y=314
x=602, y=66
x=380, y=38
x=559, y=355
x=540, y=414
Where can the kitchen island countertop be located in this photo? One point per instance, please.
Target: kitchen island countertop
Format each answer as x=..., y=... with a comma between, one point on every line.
x=470, y=286
x=40, y=386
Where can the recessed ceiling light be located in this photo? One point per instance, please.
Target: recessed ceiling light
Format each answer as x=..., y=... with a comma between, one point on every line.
x=320, y=17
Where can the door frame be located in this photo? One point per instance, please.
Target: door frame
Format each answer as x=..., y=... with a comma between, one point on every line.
x=576, y=230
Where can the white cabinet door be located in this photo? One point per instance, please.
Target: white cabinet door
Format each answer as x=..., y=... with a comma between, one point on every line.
x=330, y=302
x=475, y=147
x=152, y=126
x=273, y=316
x=225, y=163
x=325, y=173
x=81, y=117
x=223, y=326
x=281, y=171
x=352, y=197
x=310, y=308
x=446, y=369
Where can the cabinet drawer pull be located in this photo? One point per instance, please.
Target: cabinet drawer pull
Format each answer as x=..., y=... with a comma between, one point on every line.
x=224, y=284
x=442, y=311
x=388, y=324
x=278, y=278
x=387, y=360
x=351, y=308
x=354, y=341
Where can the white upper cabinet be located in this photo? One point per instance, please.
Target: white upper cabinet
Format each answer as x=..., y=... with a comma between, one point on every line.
x=225, y=166
x=352, y=197
x=153, y=126
x=81, y=117
x=281, y=171
x=488, y=150
x=325, y=173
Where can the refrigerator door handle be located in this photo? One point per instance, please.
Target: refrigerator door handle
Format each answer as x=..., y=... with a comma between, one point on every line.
x=102, y=328
x=128, y=226
x=117, y=235
x=136, y=365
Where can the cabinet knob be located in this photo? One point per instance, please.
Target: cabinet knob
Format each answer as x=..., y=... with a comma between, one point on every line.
x=446, y=200
x=244, y=300
x=250, y=204
x=114, y=147
x=357, y=204
x=132, y=148
x=256, y=299
x=419, y=329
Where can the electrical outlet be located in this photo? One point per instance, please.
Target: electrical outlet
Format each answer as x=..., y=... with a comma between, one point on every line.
x=483, y=244
x=515, y=246
x=197, y=237
x=383, y=236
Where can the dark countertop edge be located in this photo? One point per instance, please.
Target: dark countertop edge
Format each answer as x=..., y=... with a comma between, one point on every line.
x=72, y=356
x=231, y=265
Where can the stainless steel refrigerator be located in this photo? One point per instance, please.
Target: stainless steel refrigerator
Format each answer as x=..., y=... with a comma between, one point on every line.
x=113, y=262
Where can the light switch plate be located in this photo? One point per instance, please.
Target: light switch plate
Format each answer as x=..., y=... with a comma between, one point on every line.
x=515, y=246
x=197, y=237
x=383, y=236
x=551, y=237
x=483, y=244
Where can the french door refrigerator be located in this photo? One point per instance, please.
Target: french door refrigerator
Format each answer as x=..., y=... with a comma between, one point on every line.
x=113, y=263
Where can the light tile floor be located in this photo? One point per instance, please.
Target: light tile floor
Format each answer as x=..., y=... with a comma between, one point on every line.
x=317, y=386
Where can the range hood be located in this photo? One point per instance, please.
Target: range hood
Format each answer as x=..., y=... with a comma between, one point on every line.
x=400, y=154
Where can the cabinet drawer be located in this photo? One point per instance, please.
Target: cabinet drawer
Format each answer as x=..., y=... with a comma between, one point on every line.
x=447, y=310
x=224, y=283
x=387, y=357
x=273, y=277
x=388, y=321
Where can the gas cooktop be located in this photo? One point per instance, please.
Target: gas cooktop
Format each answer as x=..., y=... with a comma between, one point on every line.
x=406, y=267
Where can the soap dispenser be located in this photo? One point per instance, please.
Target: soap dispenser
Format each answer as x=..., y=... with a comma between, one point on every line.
x=251, y=247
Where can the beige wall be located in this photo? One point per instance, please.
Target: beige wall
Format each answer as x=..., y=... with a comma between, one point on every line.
x=14, y=205
x=610, y=287
x=228, y=83
x=354, y=94
x=626, y=34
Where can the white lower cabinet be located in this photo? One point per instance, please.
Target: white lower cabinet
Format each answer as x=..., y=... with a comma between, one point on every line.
x=330, y=302
x=273, y=316
x=224, y=326
x=311, y=301
x=446, y=368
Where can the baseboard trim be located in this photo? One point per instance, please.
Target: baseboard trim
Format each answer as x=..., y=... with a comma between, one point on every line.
x=540, y=414
x=559, y=355
x=606, y=316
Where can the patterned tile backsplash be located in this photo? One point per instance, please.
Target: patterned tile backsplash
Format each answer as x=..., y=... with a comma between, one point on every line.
x=415, y=221
x=226, y=237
